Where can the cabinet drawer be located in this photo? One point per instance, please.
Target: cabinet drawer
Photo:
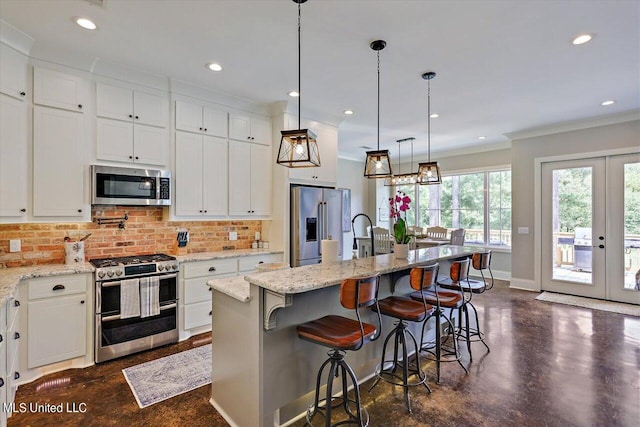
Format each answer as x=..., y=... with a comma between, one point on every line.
x=46, y=287
x=210, y=268
x=196, y=289
x=248, y=263
x=198, y=314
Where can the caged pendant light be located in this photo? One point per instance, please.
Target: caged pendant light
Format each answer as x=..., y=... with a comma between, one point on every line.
x=378, y=163
x=298, y=148
x=429, y=172
x=403, y=178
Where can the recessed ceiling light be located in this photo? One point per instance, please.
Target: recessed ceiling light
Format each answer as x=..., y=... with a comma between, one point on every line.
x=86, y=23
x=582, y=39
x=348, y=112
x=434, y=115
x=214, y=67
x=294, y=94
x=482, y=137
x=609, y=102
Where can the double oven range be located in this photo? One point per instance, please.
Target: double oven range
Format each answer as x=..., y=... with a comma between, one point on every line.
x=116, y=337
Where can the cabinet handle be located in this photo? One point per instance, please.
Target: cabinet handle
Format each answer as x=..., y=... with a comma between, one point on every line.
x=1, y=382
x=131, y=116
x=248, y=137
x=58, y=288
x=80, y=106
x=16, y=375
x=81, y=301
x=212, y=269
x=137, y=158
x=200, y=211
x=200, y=128
x=23, y=210
x=131, y=157
x=601, y=246
x=16, y=303
x=1, y=339
x=205, y=129
x=137, y=117
x=79, y=210
x=210, y=290
x=23, y=93
x=261, y=262
x=16, y=335
x=210, y=313
x=205, y=211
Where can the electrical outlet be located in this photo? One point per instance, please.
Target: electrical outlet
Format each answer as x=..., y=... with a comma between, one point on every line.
x=523, y=230
x=15, y=245
x=233, y=235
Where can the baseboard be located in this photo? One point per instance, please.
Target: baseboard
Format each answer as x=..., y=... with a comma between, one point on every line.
x=224, y=415
x=524, y=285
x=497, y=274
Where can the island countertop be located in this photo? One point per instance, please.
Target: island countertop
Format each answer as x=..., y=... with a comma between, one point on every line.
x=311, y=277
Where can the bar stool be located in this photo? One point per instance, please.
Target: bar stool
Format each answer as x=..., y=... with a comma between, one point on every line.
x=341, y=334
x=440, y=300
x=481, y=261
x=405, y=310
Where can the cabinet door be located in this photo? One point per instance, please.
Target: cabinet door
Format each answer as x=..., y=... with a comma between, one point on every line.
x=56, y=89
x=13, y=72
x=150, y=145
x=114, y=102
x=14, y=164
x=215, y=176
x=214, y=122
x=328, y=145
x=57, y=329
x=188, y=117
x=239, y=178
x=115, y=140
x=57, y=162
x=188, y=176
x=260, y=130
x=239, y=127
x=260, y=180
x=150, y=109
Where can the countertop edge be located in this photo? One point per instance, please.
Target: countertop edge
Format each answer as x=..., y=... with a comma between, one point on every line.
x=206, y=256
x=235, y=287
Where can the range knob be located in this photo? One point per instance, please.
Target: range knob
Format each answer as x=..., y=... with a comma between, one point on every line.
x=118, y=273
x=174, y=266
x=161, y=267
x=101, y=274
x=110, y=273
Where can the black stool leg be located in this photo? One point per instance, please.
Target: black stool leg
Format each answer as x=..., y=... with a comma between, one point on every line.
x=356, y=390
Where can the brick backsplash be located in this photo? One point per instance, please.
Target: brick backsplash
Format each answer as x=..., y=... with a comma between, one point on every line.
x=145, y=232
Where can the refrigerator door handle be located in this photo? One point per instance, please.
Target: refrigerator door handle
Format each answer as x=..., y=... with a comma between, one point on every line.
x=320, y=226
x=326, y=220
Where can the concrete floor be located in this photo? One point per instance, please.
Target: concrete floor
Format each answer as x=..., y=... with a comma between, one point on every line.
x=549, y=365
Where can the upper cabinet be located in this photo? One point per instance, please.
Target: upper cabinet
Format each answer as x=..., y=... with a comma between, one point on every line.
x=249, y=179
x=131, y=106
x=56, y=89
x=200, y=119
x=250, y=128
x=14, y=160
x=327, y=173
x=13, y=72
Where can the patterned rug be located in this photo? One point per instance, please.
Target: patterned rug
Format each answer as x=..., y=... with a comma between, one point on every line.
x=596, y=304
x=164, y=378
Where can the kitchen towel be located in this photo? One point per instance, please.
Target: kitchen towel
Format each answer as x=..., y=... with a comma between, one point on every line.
x=149, y=296
x=129, y=298
x=330, y=251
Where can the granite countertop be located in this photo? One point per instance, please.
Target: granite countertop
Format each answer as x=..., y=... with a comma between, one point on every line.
x=205, y=256
x=311, y=277
x=236, y=287
x=10, y=277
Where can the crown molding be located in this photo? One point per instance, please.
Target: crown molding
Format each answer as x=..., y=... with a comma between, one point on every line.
x=13, y=37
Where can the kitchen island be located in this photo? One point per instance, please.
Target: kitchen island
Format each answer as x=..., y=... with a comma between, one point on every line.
x=262, y=373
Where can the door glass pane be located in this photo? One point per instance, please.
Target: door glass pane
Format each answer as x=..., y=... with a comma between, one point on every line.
x=500, y=208
x=572, y=222
x=632, y=225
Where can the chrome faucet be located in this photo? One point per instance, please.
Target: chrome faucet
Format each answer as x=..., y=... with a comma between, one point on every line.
x=355, y=242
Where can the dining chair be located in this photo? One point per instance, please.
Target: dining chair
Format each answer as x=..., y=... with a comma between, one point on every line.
x=381, y=240
x=457, y=237
x=437, y=233
x=415, y=230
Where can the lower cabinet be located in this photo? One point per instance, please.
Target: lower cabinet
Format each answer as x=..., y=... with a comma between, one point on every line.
x=9, y=370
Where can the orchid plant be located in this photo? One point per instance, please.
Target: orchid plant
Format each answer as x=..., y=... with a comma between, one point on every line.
x=400, y=205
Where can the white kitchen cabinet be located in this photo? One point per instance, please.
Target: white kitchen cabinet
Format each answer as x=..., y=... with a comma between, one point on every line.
x=131, y=106
x=57, y=162
x=249, y=128
x=14, y=160
x=13, y=72
x=249, y=179
x=127, y=142
x=13, y=338
x=60, y=90
x=201, y=175
x=201, y=119
x=327, y=173
x=57, y=311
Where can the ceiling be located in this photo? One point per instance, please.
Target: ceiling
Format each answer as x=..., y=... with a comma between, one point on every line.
x=502, y=66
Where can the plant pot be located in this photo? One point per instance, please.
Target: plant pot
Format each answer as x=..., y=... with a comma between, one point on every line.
x=401, y=250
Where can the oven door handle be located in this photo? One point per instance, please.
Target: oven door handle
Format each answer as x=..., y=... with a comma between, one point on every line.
x=117, y=316
x=160, y=276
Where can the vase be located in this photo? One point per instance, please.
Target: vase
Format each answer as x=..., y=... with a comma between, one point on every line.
x=401, y=250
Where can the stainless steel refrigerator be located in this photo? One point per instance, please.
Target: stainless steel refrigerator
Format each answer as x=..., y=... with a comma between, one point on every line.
x=316, y=214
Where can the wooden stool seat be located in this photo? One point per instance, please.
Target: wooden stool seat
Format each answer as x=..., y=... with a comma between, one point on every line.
x=475, y=286
x=404, y=308
x=447, y=299
x=336, y=332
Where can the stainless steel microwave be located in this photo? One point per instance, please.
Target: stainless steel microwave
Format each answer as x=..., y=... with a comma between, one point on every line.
x=112, y=185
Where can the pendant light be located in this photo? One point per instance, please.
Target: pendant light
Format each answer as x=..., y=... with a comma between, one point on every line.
x=298, y=148
x=403, y=178
x=378, y=163
x=429, y=172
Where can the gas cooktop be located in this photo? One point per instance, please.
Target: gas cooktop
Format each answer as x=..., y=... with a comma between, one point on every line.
x=129, y=260
x=132, y=266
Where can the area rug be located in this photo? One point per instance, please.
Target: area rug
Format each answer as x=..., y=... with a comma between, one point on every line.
x=164, y=378
x=596, y=304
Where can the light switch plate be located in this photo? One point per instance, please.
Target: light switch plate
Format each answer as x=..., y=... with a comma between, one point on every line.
x=15, y=245
x=233, y=235
x=523, y=230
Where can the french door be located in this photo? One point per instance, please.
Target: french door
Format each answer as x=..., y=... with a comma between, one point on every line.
x=591, y=227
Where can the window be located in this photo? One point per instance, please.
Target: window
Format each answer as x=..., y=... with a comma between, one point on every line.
x=478, y=202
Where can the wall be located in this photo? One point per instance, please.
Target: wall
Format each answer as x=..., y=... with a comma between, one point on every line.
x=524, y=152
x=350, y=176
x=146, y=232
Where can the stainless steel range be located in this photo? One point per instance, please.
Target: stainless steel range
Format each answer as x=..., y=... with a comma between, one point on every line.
x=142, y=316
